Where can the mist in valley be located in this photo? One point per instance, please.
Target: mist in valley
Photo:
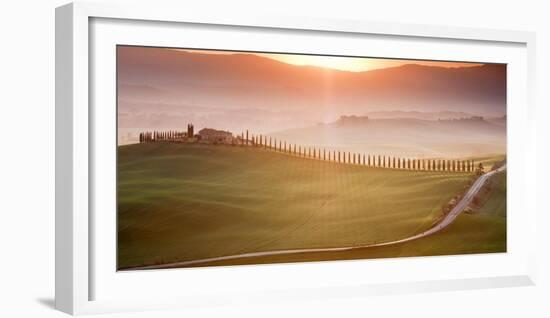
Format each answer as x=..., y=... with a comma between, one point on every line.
x=409, y=110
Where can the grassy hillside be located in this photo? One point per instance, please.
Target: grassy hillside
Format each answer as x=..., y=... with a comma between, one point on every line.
x=492, y=198
x=483, y=231
x=488, y=161
x=468, y=234
x=183, y=202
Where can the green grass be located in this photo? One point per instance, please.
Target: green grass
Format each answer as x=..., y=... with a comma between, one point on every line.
x=492, y=198
x=184, y=202
x=483, y=231
x=468, y=234
x=489, y=160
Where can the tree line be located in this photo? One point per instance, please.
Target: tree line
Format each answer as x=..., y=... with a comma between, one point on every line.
x=338, y=156
x=349, y=157
x=152, y=136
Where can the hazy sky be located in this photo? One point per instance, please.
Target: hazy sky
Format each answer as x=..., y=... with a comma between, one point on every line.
x=352, y=64
x=300, y=98
x=268, y=92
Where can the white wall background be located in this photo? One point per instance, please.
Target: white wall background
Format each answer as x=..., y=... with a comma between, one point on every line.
x=27, y=161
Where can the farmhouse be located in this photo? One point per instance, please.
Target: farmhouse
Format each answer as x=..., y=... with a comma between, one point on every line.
x=210, y=135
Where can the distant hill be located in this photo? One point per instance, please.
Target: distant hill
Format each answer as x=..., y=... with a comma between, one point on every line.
x=498, y=120
x=276, y=95
x=404, y=137
x=418, y=115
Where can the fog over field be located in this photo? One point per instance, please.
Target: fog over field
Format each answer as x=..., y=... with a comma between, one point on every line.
x=412, y=109
x=409, y=137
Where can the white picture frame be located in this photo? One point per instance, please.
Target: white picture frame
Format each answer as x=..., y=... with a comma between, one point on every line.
x=77, y=249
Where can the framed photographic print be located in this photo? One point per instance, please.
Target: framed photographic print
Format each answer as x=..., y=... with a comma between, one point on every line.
x=199, y=158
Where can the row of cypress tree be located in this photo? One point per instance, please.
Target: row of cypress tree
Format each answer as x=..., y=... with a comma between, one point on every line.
x=151, y=136
x=363, y=159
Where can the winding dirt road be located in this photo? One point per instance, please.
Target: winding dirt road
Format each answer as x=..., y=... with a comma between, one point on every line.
x=448, y=219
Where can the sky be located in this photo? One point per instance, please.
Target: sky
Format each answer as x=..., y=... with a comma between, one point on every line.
x=272, y=93
x=352, y=64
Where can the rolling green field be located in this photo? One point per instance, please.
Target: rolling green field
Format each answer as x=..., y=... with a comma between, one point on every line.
x=488, y=161
x=180, y=202
x=483, y=231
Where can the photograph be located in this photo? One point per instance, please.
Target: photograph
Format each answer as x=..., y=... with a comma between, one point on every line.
x=229, y=158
